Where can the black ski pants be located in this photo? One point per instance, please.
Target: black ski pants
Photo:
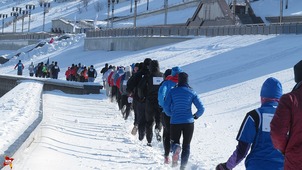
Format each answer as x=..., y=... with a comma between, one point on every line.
x=166, y=133
x=152, y=115
x=186, y=130
x=141, y=120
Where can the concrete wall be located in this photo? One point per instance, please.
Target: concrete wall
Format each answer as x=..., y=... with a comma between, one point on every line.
x=15, y=41
x=129, y=43
x=62, y=26
x=9, y=82
x=15, y=44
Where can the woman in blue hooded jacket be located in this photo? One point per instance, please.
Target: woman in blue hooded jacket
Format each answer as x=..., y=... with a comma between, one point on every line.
x=171, y=79
x=254, y=134
x=178, y=105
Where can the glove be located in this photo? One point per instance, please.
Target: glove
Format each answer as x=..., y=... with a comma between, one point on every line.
x=195, y=117
x=222, y=166
x=130, y=99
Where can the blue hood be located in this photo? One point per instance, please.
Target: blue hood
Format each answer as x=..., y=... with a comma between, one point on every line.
x=271, y=88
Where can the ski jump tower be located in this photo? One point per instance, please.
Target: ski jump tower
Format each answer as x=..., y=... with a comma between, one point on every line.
x=212, y=13
x=219, y=13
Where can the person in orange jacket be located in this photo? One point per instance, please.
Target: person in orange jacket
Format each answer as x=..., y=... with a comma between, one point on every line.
x=68, y=74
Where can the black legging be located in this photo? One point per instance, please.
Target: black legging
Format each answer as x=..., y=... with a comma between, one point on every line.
x=124, y=102
x=152, y=114
x=141, y=120
x=113, y=93
x=186, y=130
x=166, y=133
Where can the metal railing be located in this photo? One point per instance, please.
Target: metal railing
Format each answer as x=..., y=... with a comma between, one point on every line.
x=286, y=28
x=26, y=36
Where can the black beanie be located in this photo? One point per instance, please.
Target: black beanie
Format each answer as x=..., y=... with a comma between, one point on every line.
x=183, y=78
x=167, y=73
x=298, y=72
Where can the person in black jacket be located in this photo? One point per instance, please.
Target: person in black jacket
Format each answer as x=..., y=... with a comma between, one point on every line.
x=103, y=71
x=92, y=73
x=131, y=94
x=140, y=102
x=153, y=110
x=55, y=71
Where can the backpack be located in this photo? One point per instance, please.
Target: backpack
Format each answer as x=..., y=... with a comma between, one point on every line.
x=142, y=88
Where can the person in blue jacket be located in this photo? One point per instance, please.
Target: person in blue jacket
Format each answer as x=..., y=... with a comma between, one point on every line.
x=20, y=68
x=170, y=80
x=254, y=134
x=178, y=105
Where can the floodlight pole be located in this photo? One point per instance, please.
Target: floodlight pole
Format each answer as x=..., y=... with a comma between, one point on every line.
x=46, y=6
x=15, y=13
x=234, y=10
x=108, y=13
x=29, y=7
x=281, y=11
x=135, y=12
x=166, y=11
x=24, y=12
x=3, y=16
x=112, y=13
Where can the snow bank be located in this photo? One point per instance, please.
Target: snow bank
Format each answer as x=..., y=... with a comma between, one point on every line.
x=20, y=111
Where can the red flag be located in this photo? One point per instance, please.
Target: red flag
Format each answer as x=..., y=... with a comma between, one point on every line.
x=8, y=161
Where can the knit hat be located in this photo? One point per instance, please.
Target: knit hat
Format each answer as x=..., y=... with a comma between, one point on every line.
x=176, y=70
x=128, y=68
x=132, y=65
x=298, y=72
x=271, y=88
x=167, y=73
x=183, y=78
x=121, y=71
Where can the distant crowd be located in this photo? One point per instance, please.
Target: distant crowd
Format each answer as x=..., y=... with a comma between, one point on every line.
x=43, y=70
x=79, y=73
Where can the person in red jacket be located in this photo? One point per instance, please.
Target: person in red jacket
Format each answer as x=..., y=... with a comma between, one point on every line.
x=286, y=125
x=68, y=74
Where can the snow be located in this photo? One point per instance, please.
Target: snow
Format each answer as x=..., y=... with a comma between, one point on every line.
x=88, y=132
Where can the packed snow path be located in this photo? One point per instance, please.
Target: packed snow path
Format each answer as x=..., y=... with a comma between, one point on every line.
x=80, y=134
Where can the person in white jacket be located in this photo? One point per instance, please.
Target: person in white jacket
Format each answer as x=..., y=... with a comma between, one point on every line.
x=105, y=79
x=31, y=69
